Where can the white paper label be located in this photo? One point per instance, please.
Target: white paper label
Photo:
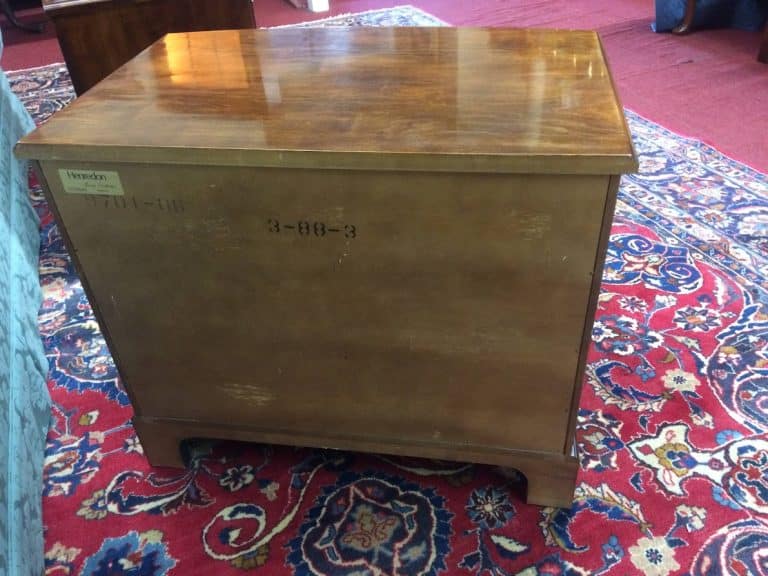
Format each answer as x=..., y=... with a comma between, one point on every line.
x=105, y=183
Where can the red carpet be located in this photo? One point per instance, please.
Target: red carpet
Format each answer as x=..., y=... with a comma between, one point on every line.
x=707, y=85
x=673, y=431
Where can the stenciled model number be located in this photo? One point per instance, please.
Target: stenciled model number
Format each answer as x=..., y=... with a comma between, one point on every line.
x=311, y=228
x=170, y=205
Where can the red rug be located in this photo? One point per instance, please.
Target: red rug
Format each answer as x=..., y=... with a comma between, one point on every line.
x=673, y=431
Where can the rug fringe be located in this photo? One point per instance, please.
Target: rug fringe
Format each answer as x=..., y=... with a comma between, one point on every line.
x=365, y=12
x=17, y=71
x=756, y=172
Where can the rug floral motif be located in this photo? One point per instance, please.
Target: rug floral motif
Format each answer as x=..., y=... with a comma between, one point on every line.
x=672, y=437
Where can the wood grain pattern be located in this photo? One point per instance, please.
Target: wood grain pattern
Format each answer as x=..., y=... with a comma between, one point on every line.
x=589, y=317
x=403, y=98
x=447, y=286
x=99, y=36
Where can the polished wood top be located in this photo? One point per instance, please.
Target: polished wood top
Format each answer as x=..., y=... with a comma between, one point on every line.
x=368, y=98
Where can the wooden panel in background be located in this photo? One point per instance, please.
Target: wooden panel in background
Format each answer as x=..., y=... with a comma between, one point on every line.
x=99, y=36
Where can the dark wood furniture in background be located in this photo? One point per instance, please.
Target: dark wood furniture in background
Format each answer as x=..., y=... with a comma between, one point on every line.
x=686, y=27
x=8, y=8
x=342, y=237
x=686, y=23
x=98, y=36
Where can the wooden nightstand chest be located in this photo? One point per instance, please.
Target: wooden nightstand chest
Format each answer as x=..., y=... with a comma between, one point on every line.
x=371, y=239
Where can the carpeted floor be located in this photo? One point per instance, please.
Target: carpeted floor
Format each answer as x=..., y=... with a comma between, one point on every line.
x=673, y=433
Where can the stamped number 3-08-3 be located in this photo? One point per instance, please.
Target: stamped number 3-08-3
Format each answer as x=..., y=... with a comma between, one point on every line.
x=311, y=228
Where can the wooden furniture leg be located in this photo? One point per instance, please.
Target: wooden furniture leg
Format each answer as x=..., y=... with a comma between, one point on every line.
x=7, y=10
x=549, y=483
x=551, y=479
x=685, y=26
x=161, y=445
x=763, y=54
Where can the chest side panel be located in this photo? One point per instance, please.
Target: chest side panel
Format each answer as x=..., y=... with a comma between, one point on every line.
x=409, y=306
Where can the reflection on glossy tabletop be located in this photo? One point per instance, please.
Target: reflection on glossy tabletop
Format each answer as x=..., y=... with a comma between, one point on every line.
x=498, y=99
